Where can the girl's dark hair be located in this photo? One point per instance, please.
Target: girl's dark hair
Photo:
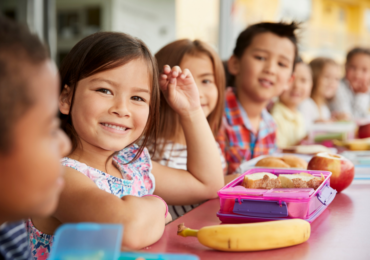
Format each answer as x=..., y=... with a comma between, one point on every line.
x=172, y=55
x=245, y=38
x=104, y=51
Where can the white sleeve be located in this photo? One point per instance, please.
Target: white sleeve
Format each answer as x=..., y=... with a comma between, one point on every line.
x=309, y=112
x=342, y=100
x=361, y=105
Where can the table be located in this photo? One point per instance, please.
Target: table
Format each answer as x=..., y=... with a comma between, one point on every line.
x=342, y=231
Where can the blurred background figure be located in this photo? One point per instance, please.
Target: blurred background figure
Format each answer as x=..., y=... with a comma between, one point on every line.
x=331, y=27
x=326, y=75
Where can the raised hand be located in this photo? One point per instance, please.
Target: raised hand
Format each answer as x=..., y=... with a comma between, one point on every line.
x=180, y=90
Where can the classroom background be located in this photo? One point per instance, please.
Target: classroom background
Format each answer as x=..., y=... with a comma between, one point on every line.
x=330, y=27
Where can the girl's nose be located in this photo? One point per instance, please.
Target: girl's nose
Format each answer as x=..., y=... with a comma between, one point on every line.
x=120, y=108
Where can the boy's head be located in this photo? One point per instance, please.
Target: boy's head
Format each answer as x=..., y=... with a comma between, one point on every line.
x=358, y=69
x=263, y=60
x=300, y=88
x=31, y=143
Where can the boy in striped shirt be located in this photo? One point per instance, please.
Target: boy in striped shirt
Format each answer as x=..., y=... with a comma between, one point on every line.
x=31, y=142
x=261, y=67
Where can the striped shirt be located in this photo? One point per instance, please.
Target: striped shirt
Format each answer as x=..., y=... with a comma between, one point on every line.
x=237, y=139
x=175, y=156
x=14, y=244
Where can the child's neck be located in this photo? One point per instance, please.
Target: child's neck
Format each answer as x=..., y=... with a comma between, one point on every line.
x=252, y=108
x=319, y=100
x=292, y=108
x=95, y=157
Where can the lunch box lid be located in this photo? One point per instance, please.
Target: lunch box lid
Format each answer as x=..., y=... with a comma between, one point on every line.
x=233, y=190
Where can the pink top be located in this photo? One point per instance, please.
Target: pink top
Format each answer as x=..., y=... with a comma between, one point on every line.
x=137, y=180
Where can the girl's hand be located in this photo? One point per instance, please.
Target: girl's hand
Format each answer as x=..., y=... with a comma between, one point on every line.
x=180, y=90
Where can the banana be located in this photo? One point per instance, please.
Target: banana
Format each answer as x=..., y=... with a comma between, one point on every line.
x=251, y=237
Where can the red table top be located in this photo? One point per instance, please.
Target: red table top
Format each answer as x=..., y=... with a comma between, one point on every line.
x=342, y=231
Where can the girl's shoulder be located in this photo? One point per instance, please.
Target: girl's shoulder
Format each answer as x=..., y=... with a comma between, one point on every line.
x=127, y=154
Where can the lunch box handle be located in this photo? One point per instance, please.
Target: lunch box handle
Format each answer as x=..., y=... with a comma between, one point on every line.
x=260, y=208
x=326, y=195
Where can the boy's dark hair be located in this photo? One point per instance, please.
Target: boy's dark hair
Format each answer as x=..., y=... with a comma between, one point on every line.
x=281, y=29
x=18, y=49
x=357, y=50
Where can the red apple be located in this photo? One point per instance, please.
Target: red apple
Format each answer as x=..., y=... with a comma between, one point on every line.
x=343, y=170
x=364, y=131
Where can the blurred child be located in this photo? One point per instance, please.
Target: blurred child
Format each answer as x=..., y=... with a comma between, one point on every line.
x=207, y=70
x=352, y=99
x=291, y=128
x=110, y=98
x=325, y=79
x=262, y=64
x=31, y=142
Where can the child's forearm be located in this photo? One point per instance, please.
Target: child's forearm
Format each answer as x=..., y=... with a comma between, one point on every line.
x=146, y=222
x=204, y=161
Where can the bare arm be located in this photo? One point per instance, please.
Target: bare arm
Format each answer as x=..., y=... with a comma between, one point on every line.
x=204, y=175
x=82, y=201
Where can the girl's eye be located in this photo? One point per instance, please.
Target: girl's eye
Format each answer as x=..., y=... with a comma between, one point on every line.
x=105, y=91
x=259, y=57
x=206, y=81
x=282, y=65
x=136, y=98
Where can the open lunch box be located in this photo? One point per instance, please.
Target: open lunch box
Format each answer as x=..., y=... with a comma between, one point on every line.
x=240, y=205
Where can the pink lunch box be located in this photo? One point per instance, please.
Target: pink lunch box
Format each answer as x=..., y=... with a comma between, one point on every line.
x=241, y=205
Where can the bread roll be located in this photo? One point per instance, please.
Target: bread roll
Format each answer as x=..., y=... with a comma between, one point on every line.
x=294, y=161
x=261, y=180
x=273, y=162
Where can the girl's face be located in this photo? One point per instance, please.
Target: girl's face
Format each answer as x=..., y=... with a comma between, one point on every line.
x=300, y=88
x=358, y=71
x=328, y=81
x=111, y=108
x=201, y=68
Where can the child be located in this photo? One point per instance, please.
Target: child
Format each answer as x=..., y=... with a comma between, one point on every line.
x=31, y=142
x=352, y=99
x=290, y=123
x=325, y=79
x=110, y=98
x=207, y=70
x=262, y=64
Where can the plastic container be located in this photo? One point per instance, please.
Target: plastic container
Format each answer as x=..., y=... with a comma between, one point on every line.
x=87, y=241
x=146, y=256
x=92, y=241
x=240, y=205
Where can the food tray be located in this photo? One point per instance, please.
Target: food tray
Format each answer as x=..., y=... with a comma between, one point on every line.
x=238, y=204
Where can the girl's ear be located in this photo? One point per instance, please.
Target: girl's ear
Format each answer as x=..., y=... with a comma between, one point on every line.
x=65, y=100
x=233, y=65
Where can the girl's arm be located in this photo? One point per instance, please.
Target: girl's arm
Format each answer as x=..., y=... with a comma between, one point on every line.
x=82, y=201
x=204, y=175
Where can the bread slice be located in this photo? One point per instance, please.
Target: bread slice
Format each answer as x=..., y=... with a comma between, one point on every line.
x=301, y=180
x=261, y=180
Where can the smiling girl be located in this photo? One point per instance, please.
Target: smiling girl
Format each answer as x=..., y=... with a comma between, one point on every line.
x=109, y=99
x=209, y=76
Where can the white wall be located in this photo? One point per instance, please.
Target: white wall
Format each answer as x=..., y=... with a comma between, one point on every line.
x=154, y=22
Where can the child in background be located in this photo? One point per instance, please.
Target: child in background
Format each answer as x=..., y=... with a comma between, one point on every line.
x=291, y=128
x=262, y=64
x=31, y=142
x=325, y=82
x=352, y=99
x=207, y=70
x=110, y=98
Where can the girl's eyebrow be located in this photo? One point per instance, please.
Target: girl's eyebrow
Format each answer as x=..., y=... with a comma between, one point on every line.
x=105, y=80
x=136, y=89
x=205, y=74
